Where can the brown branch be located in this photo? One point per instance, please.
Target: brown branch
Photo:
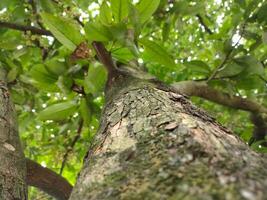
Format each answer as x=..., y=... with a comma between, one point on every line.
x=201, y=21
x=19, y=27
x=260, y=128
x=70, y=148
x=201, y=89
x=78, y=89
x=104, y=57
x=47, y=180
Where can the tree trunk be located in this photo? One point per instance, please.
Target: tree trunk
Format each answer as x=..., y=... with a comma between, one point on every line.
x=12, y=162
x=154, y=144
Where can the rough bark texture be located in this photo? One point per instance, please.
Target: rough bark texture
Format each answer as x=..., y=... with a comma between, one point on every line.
x=12, y=162
x=154, y=144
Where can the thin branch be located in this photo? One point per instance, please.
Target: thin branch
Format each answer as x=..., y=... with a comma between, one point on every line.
x=70, y=148
x=104, y=57
x=35, y=13
x=201, y=89
x=201, y=21
x=260, y=128
x=78, y=89
x=228, y=55
x=47, y=180
x=19, y=27
x=79, y=21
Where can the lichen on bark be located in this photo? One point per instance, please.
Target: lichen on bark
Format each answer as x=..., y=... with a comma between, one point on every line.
x=154, y=144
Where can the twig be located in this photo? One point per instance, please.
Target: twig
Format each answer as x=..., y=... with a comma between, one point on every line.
x=78, y=89
x=70, y=148
x=19, y=27
x=228, y=55
x=46, y=51
x=35, y=13
x=79, y=21
x=104, y=57
x=201, y=21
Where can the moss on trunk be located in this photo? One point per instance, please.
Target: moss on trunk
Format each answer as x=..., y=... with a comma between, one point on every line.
x=154, y=144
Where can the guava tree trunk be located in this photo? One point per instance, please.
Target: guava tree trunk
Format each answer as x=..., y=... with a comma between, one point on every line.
x=12, y=162
x=154, y=144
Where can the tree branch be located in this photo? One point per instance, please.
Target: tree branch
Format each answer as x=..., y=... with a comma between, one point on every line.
x=19, y=27
x=201, y=89
x=102, y=53
x=228, y=55
x=260, y=128
x=104, y=57
x=47, y=180
x=35, y=13
x=201, y=21
x=70, y=148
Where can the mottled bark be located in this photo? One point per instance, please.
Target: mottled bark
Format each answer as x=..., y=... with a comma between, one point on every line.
x=154, y=144
x=12, y=162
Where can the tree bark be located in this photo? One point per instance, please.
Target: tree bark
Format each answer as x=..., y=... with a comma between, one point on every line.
x=47, y=180
x=12, y=162
x=154, y=144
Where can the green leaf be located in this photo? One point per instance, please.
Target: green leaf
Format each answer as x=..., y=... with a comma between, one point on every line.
x=118, y=32
x=250, y=82
x=40, y=74
x=230, y=69
x=58, y=111
x=97, y=32
x=134, y=21
x=42, y=78
x=12, y=74
x=184, y=8
x=198, y=66
x=166, y=30
x=124, y=55
x=10, y=39
x=146, y=9
x=64, y=83
x=18, y=96
x=48, y=6
x=262, y=14
x=105, y=15
x=55, y=66
x=85, y=112
x=251, y=65
x=95, y=80
x=156, y=53
x=264, y=37
x=119, y=9
x=65, y=30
